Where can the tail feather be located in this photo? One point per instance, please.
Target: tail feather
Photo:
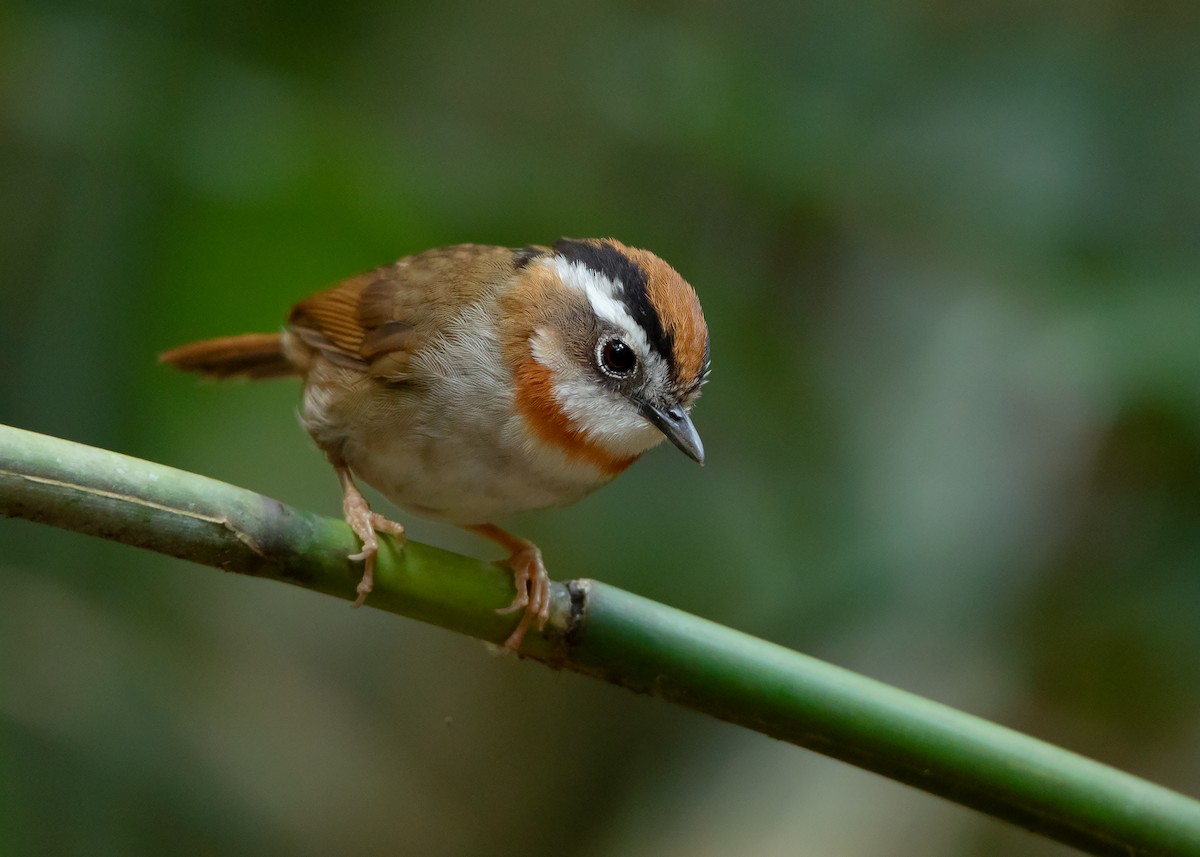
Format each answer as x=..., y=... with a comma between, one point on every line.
x=253, y=355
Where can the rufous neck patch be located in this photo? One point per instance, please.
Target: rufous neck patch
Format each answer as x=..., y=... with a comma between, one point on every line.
x=545, y=417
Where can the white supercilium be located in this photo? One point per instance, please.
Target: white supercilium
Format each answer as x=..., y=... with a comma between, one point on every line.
x=605, y=297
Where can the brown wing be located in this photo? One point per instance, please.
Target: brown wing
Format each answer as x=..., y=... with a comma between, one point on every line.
x=377, y=321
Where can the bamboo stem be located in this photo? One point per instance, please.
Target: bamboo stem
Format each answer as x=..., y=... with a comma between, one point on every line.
x=613, y=635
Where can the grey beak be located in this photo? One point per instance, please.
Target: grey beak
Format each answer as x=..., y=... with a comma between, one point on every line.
x=677, y=426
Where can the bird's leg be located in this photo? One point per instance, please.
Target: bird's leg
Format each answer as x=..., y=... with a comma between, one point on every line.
x=365, y=523
x=530, y=578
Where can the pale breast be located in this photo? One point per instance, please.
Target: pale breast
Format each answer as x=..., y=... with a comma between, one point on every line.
x=450, y=444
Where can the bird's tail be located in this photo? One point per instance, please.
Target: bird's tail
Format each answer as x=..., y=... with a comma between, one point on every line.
x=252, y=355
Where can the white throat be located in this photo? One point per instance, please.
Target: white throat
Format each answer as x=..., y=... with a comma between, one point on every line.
x=604, y=416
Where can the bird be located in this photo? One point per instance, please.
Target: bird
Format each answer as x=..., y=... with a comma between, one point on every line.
x=471, y=382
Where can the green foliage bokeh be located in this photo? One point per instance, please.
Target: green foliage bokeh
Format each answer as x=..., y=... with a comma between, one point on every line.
x=950, y=259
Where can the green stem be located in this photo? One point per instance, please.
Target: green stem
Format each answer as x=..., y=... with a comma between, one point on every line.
x=613, y=635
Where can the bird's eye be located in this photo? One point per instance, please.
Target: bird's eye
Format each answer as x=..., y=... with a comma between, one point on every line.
x=617, y=359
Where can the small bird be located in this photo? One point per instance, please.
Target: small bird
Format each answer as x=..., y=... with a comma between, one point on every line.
x=471, y=382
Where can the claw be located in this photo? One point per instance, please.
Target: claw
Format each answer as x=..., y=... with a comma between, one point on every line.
x=365, y=523
x=531, y=581
x=533, y=594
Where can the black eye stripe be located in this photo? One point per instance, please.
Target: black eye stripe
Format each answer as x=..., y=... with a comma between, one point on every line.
x=610, y=262
x=605, y=260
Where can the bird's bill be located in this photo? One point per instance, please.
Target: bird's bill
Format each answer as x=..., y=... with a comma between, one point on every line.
x=676, y=425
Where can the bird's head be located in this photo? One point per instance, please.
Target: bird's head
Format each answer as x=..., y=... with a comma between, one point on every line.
x=616, y=350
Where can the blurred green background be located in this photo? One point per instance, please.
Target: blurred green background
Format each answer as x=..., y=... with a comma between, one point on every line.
x=950, y=257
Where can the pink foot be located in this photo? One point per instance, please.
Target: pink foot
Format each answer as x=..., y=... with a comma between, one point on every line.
x=533, y=593
x=365, y=524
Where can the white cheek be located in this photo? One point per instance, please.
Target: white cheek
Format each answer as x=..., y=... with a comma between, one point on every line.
x=607, y=418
